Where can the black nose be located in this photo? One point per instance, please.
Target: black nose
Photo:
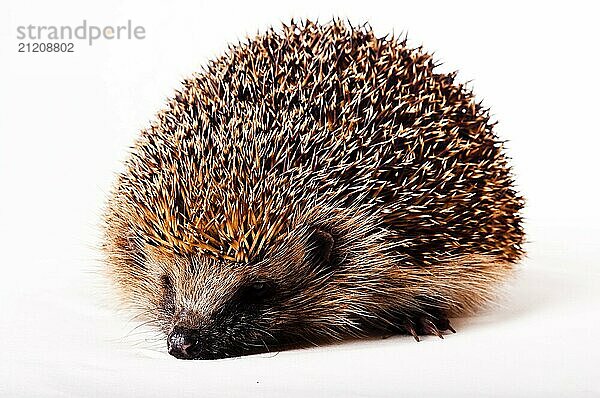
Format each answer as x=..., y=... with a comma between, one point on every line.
x=184, y=343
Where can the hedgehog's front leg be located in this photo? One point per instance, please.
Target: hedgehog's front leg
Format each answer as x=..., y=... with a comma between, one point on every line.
x=430, y=323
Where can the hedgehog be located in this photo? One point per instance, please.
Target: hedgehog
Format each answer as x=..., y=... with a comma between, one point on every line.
x=314, y=184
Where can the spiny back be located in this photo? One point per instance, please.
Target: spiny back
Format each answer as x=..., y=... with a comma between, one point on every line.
x=322, y=116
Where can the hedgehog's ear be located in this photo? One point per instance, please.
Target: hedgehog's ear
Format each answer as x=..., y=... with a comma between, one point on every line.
x=134, y=244
x=320, y=246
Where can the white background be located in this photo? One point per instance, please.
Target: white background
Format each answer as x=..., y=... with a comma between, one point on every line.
x=67, y=120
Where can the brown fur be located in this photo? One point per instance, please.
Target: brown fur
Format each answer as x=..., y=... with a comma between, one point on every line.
x=315, y=129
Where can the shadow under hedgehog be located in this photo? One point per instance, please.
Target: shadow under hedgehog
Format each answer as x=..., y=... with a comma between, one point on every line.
x=313, y=184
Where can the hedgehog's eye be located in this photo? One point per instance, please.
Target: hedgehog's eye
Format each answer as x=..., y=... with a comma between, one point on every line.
x=257, y=292
x=168, y=293
x=166, y=283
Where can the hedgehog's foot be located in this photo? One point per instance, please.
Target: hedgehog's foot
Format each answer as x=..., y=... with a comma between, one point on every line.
x=425, y=324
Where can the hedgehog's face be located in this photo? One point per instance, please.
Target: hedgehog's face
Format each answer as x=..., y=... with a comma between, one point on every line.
x=214, y=309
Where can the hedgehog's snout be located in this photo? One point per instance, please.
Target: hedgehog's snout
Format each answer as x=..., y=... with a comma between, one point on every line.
x=184, y=343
